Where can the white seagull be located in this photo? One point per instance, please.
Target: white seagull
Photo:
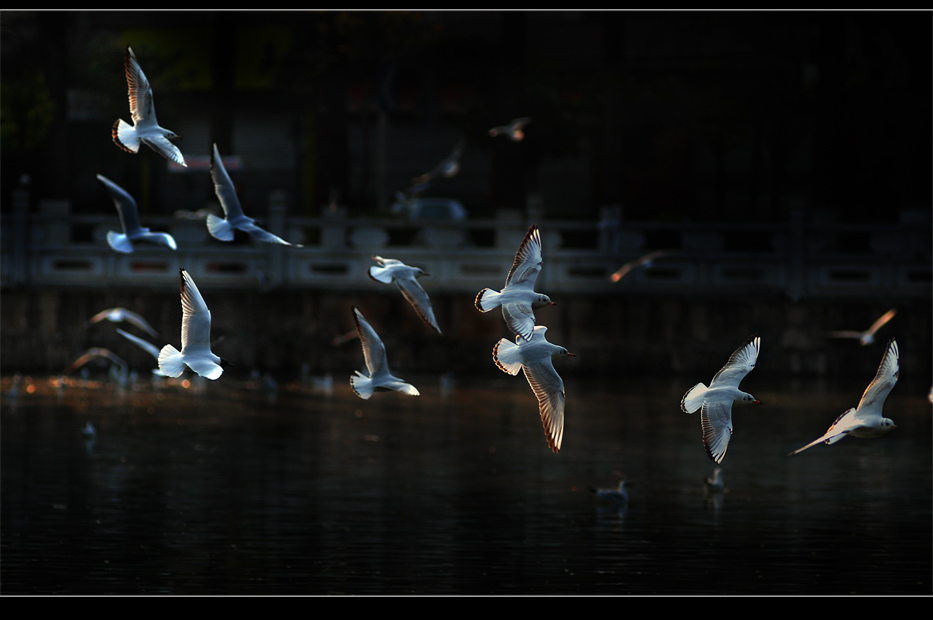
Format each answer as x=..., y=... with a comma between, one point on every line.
x=447, y=168
x=145, y=128
x=715, y=401
x=222, y=228
x=868, y=336
x=378, y=376
x=866, y=420
x=129, y=218
x=195, y=337
x=96, y=353
x=518, y=298
x=390, y=270
x=534, y=357
x=146, y=346
x=513, y=131
x=644, y=261
x=117, y=315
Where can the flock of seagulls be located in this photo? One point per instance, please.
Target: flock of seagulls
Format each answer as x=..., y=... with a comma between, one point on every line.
x=530, y=352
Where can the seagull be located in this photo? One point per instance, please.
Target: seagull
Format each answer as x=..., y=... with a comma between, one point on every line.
x=95, y=353
x=378, y=376
x=129, y=218
x=868, y=336
x=518, y=298
x=715, y=401
x=715, y=483
x=447, y=168
x=513, y=130
x=117, y=315
x=405, y=277
x=195, y=337
x=145, y=345
x=222, y=228
x=145, y=128
x=533, y=356
x=866, y=420
x=618, y=495
x=644, y=261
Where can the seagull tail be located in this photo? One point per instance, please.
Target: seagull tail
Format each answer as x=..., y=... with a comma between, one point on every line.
x=693, y=399
x=362, y=385
x=219, y=228
x=124, y=135
x=506, y=356
x=120, y=243
x=486, y=300
x=171, y=362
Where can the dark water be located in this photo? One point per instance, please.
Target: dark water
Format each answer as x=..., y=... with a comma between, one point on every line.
x=223, y=489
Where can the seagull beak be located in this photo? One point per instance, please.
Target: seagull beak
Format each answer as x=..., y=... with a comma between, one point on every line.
x=757, y=402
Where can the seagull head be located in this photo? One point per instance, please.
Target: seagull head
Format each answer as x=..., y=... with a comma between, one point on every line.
x=541, y=301
x=225, y=364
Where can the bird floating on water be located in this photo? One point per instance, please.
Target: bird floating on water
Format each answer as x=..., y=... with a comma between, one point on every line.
x=618, y=495
x=715, y=402
x=145, y=129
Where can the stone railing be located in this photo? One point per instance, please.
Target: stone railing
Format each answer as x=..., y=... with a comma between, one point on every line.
x=796, y=259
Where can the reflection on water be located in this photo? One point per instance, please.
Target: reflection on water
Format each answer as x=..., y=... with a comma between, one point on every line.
x=233, y=488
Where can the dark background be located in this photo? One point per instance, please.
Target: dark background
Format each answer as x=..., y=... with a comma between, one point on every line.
x=673, y=115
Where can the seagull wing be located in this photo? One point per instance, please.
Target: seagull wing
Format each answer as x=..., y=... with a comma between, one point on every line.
x=224, y=188
x=740, y=363
x=888, y=372
x=419, y=300
x=374, y=352
x=126, y=206
x=196, y=318
x=548, y=387
x=527, y=262
x=140, y=93
x=716, y=424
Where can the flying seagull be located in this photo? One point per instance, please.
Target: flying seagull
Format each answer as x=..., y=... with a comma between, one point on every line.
x=117, y=315
x=518, y=298
x=129, y=218
x=388, y=270
x=513, y=131
x=222, y=228
x=145, y=128
x=195, y=351
x=866, y=420
x=715, y=402
x=533, y=356
x=868, y=336
x=377, y=377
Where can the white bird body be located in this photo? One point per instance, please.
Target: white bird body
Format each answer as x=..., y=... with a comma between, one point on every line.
x=129, y=219
x=390, y=270
x=222, y=228
x=715, y=402
x=866, y=420
x=117, y=315
x=518, y=298
x=145, y=128
x=378, y=376
x=866, y=337
x=195, y=351
x=533, y=356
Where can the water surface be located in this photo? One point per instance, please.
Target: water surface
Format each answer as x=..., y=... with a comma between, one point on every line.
x=224, y=488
